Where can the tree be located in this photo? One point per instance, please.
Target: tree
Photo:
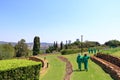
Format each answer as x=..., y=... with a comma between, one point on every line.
x=77, y=43
x=21, y=48
x=112, y=43
x=50, y=49
x=66, y=45
x=88, y=44
x=61, y=45
x=56, y=46
x=36, y=46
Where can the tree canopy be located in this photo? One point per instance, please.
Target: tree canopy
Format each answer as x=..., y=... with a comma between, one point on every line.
x=112, y=43
x=21, y=48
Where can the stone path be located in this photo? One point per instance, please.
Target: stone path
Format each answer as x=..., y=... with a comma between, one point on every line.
x=69, y=69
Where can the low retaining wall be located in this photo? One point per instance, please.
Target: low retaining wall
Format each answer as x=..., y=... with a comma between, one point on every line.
x=109, y=58
x=113, y=70
x=34, y=58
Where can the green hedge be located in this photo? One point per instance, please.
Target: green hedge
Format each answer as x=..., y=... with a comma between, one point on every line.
x=17, y=69
x=70, y=51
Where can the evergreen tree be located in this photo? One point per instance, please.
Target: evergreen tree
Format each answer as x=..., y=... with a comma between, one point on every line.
x=61, y=45
x=36, y=46
x=66, y=46
x=56, y=46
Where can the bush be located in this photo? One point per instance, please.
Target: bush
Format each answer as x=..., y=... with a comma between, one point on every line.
x=70, y=51
x=16, y=69
x=6, y=51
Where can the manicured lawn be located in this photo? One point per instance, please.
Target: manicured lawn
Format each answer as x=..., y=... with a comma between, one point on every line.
x=56, y=70
x=95, y=72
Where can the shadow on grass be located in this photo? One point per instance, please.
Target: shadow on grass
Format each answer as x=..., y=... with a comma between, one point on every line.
x=77, y=70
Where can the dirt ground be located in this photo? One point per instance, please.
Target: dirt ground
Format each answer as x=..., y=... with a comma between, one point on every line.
x=69, y=69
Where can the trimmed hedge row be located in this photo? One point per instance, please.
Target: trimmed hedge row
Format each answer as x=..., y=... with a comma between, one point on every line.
x=72, y=51
x=69, y=51
x=16, y=69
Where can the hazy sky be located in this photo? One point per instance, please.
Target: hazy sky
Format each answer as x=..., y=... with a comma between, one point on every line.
x=59, y=20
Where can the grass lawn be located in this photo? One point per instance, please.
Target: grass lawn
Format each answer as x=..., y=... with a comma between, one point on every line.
x=117, y=54
x=112, y=51
x=95, y=72
x=56, y=70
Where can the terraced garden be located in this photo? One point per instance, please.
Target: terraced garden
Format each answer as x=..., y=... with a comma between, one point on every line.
x=102, y=66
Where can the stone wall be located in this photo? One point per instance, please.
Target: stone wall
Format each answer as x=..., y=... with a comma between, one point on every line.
x=34, y=58
x=109, y=58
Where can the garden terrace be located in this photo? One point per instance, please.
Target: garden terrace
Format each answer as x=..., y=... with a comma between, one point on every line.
x=109, y=58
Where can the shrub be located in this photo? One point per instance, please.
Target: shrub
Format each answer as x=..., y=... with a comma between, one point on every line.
x=6, y=51
x=70, y=51
x=16, y=69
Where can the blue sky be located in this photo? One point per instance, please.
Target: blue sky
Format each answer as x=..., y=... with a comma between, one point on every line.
x=59, y=20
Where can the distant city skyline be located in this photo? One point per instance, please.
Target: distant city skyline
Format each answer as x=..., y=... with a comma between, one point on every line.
x=59, y=20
